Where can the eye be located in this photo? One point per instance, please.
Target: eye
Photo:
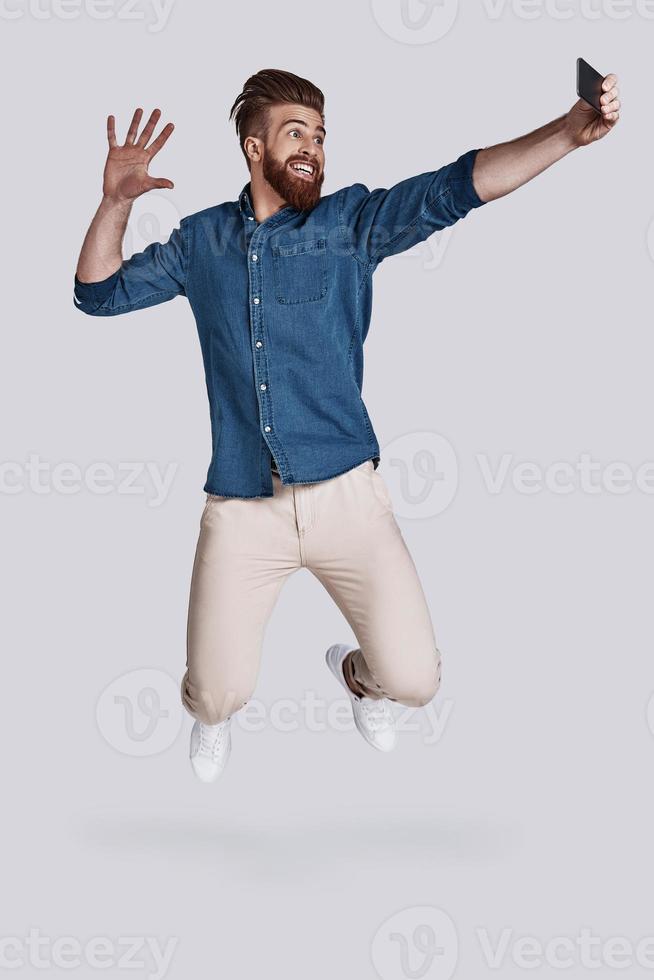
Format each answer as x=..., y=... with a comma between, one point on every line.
x=319, y=140
x=294, y=132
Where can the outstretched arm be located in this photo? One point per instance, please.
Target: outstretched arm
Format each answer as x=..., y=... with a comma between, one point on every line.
x=500, y=169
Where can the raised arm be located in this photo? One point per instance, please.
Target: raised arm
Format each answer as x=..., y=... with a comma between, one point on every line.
x=125, y=178
x=500, y=169
x=105, y=284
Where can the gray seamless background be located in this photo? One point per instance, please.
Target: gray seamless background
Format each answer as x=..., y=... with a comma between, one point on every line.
x=530, y=336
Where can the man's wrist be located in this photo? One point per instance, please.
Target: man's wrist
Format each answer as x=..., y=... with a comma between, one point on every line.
x=117, y=205
x=568, y=140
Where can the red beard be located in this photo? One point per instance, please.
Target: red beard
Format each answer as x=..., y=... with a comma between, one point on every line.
x=299, y=193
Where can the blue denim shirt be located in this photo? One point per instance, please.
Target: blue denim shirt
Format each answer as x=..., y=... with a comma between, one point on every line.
x=282, y=310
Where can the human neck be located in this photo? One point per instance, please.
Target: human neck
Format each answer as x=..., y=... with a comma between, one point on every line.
x=265, y=200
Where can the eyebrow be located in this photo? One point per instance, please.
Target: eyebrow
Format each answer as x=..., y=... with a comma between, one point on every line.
x=301, y=122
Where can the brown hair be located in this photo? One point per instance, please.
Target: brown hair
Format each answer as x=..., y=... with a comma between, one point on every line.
x=269, y=87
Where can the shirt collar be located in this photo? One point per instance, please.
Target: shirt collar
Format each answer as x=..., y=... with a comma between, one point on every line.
x=244, y=203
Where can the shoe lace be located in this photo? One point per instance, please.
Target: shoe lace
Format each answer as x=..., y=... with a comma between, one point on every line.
x=212, y=738
x=376, y=713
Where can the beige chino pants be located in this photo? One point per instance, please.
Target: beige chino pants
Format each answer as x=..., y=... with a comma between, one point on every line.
x=344, y=531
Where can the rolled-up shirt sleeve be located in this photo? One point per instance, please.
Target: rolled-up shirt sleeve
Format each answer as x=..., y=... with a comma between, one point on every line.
x=152, y=276
x=384, y=222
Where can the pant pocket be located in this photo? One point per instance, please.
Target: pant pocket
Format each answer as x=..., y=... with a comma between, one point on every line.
x=210, y=503
x=379, y=488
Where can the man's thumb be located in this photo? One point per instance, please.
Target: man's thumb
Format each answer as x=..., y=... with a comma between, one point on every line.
x=161, y=183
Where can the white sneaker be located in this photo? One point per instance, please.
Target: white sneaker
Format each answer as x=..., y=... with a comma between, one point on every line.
x=372, y=716
x=210, y=749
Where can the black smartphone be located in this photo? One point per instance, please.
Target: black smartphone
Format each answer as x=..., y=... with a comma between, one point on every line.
x=589, y=84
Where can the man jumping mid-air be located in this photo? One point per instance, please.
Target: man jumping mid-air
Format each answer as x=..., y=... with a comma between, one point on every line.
x=280, y=284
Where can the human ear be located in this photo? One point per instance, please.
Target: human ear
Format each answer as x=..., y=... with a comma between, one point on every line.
x=253, y=148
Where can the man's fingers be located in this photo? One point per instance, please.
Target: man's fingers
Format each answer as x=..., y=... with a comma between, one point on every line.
x=161, y=139
x=148, y=129
x=111, y=131
x=609, y=101
x=611, y=107
x=133, y=128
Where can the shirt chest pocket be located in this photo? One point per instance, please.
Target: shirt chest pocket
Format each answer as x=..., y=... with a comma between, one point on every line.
x=300, y=271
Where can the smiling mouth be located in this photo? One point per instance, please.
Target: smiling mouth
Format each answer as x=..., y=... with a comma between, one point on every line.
x=305, y=171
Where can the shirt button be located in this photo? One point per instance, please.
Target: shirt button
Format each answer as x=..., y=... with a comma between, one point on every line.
x=255, y=258
x=266, y=428
x=250, y=219
x=258, y=344
x=263, y=387
x=256, y=301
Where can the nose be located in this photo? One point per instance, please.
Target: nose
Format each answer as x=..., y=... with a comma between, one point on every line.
x=310, y=155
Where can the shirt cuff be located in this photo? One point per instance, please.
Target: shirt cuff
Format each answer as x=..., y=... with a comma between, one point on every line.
x=464, y=189
x=95, y=292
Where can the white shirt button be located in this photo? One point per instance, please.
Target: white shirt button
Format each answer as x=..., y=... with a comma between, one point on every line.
x=258, y=344
x=256, y=300
x=266, y=428
x=255, y=258
x=263, y=387
x=250, y=219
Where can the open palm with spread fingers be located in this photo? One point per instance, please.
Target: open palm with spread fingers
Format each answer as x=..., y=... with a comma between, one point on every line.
x=126, y=174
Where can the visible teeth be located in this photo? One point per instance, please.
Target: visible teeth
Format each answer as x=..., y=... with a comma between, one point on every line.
x=303, y=168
